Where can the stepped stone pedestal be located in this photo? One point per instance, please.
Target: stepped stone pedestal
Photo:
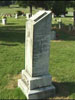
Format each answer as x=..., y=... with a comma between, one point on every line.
x=36, y=82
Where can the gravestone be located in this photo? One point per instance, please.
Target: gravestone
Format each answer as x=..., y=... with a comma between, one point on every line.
x=16, y=16
x=27, y=16
x=63, y=16
x=52, y=15
x=4, y=20
x=70, y=27
x=36, y=82
x=60, y=23
x=53, y=35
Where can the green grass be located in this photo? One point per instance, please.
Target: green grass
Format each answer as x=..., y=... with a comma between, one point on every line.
x=62, y=67
x=62, y=61
x=12, y=10
x=12, y=37
x=66, y=21
x=62, y=58
x=70, y=9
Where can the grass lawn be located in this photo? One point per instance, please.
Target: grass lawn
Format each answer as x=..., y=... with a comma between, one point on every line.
x=12, y=10
x=12, y=37
x=70, y=9
x=62, y=59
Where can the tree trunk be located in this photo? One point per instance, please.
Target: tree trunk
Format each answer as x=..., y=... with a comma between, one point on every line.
x=46, y=8
x=30, y=10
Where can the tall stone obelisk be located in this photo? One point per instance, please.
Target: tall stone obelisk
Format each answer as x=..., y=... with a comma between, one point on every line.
x=36, y=82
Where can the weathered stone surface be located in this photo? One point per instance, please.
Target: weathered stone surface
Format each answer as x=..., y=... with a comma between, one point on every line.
x=39, y=93
x=36, y=81
x=38, y=44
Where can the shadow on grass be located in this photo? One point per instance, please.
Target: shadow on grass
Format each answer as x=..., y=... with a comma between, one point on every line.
x=6, y=44
x=10, y=23
x=68, y=16
x=12, y=33
x=64, y=33
x=64, y=89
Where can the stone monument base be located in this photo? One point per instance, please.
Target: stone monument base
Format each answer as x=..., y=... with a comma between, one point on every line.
x=36, y=87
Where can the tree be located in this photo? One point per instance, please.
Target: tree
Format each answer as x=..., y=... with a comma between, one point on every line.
x=44, y=4
x=25, y=4
x=59, y=7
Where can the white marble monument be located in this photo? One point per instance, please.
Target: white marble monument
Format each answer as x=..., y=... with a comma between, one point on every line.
x=36, y=82
x=16, y=16
x=60, y=23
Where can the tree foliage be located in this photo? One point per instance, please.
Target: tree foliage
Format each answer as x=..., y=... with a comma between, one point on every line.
x=39, y=3
x=5, y=2
x=59, y=7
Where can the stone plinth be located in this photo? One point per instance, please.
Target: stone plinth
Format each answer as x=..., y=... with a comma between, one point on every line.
x=36, y=82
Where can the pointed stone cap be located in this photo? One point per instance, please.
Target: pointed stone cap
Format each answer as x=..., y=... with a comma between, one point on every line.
x=39, y=15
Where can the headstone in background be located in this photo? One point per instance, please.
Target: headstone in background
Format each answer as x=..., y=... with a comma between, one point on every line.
x=4, y=20
x=63, y=16
x=36, y=82
x=52, y=15
x=16, y=16
x=53, y=35
x=60, y=23
x=27, y=16
x=70, y=27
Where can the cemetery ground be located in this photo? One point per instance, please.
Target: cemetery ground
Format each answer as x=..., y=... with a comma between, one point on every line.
x=62, y=58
